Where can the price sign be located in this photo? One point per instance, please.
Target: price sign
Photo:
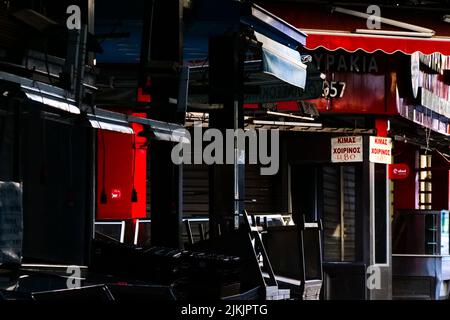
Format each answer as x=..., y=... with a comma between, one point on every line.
x=347, y=149
x=380, y=150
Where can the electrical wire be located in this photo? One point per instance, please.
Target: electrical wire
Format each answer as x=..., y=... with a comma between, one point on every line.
x=103, y=196
x=428, y=130
x=46, y=62
x=70, y=157
x=443, y=155
x=44, y=152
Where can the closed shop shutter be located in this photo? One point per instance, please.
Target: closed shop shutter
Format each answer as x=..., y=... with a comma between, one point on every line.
x=349, y=181
x=331, y=214
x=195, y=190
x=334, y=224
x=261, y=192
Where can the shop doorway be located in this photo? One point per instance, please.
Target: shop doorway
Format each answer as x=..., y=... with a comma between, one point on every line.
x=329, y=193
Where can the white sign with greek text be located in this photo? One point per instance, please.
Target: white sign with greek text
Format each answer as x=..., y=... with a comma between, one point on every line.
x=347, y=149
x=380, y=150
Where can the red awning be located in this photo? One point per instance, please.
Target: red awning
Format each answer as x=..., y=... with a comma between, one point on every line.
x=335, y=30
x=351, y=42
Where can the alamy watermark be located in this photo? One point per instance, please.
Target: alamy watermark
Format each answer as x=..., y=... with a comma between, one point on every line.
x=373, y=281
x=374, y=20
x=74, y=278
x=73, y=22
x=229, y=147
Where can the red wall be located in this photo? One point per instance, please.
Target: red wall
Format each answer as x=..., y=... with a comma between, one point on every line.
x=120, y=161
x=405, y=190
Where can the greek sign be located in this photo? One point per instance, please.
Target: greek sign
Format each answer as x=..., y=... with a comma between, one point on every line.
x=398, y=171
x=276, y=92
x=347, y=149
x=380, y=150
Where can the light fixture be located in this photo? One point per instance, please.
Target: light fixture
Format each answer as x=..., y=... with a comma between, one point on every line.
x=290, y=115
x=446, y=18
x=413, y=30
x=284, y=123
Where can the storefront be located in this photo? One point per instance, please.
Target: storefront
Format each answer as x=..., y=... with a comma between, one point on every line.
x=43, y=141
x=207, y=193
x=369, y=80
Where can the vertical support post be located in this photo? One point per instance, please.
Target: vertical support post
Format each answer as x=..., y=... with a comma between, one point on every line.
x=363, y=211
x=80, y=69
x=161, y=62
x=342, y=212
x=372, y=212
x=91, y=26
x=380, y=247
x=286, y=193
x=17, y=164
x=227, y=181
x=93, y=183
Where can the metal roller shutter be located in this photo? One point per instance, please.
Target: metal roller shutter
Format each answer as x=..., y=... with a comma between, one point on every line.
x=261, y=192
x=331, y=214
x=195, y=190
x=339, y=191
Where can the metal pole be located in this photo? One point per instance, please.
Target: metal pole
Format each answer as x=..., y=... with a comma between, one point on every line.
x=237, y=153
x=342, y=196
x=161, y=62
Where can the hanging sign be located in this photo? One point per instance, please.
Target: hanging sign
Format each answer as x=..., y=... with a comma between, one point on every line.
x=347, y=149
x=380, y=150
x=398, y=171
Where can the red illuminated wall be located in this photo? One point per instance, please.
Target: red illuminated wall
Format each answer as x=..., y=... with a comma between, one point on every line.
x=120, y=160
x=405, y=190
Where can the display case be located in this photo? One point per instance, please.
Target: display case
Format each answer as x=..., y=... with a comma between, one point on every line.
x=421, y=232
x=421, y=256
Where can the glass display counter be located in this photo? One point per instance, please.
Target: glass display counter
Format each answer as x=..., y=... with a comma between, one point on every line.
x=421, y=256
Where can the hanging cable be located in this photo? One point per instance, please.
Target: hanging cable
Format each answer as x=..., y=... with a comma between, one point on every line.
x=70, y=192
x=428, y=131
x=44, y=173
x=103, y=197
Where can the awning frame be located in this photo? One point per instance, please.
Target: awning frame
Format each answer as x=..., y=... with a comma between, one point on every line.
x=272, y=26
x=163, y=131
x=43, y=93
x=351, y=42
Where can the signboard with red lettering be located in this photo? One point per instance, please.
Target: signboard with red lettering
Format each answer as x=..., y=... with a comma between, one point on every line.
x=380, y=150
x=398, y=171
x=347, y=149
